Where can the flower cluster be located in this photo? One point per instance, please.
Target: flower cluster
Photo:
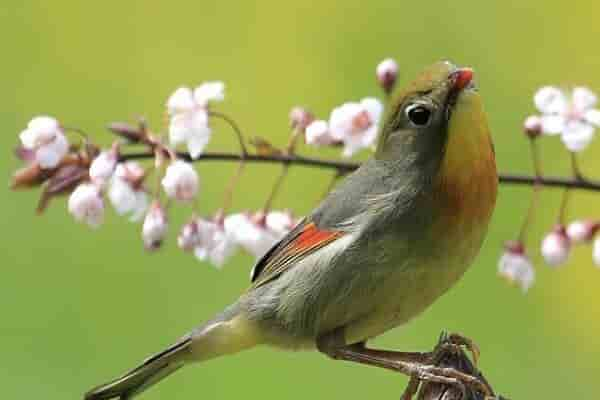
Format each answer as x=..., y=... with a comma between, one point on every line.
x=93, y=177
x=570, y=114
x=188, y=114
x=555, y=248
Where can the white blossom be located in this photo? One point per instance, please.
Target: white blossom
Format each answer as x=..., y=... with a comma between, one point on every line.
x=356, y=124
x=317, y=134
x=189, y=237
x=280, y=223
x=103, y=167
x=125, y=192
x=208, y=92
x=155, y=227
x=46, y=139
x=581, y=231
x=181, y=181
x=555, y=247
x=188, y=122
x=250, y=233
x=215, y=245
x=86, y=204
x=515, y=266
x=571, y=114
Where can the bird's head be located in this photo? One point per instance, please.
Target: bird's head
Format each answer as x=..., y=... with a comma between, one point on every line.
x=428, y=114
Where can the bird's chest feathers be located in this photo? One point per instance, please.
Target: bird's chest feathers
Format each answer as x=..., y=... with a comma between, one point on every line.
x=464, y=193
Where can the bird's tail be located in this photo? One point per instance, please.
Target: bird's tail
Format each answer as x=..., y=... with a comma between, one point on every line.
x=221, y=336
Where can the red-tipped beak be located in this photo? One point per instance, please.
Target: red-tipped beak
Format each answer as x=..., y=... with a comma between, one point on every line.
x=462, y=77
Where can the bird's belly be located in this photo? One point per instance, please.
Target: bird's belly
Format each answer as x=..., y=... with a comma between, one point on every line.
x=410, y=286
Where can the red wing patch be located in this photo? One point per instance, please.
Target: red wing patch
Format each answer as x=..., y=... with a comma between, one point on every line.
x=303, y=240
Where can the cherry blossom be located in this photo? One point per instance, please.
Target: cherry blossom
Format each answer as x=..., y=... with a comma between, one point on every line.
x=103, y=167
x=533, y=126
x=556, y=247
x=250, y=232
x=155, y=227
x=181, y=181
x=355, y=124
x=571, y=114
x=280, y=222
x=387, y=73
x=189, y=116
x=126, y=193
x=318, y=134
x=581, y=231
x=86, y=204
x=216, y=245
x=516, y=267
x=45, y=138
x=300, y=118
x=209, y=92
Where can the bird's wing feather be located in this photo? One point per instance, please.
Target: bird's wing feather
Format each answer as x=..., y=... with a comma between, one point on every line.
x=303, y=240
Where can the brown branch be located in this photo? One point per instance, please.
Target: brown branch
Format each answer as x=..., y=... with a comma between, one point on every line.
x=348, y=166
x=455, y=358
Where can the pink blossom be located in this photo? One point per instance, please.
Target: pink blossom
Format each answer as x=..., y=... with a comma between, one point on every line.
x=515, y=266
x=45, y=138
x=155, y=227
x=86, y=204
x=181, y=181
x=556, y=246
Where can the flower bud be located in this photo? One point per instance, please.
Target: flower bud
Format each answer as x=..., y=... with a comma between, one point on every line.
x=581, y=231
x=181, y=181
x=387, y=73
x=86, y=204
x=155, y=227
x=132, y=133
x=189, y=237
x=532, y=126
x=317, y=134
x=45, y=138
x=515, y=266
x=300, y=118
x=103, y=166
x=556, y=246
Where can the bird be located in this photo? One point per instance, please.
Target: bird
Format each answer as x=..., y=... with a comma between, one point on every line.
x=380, y=248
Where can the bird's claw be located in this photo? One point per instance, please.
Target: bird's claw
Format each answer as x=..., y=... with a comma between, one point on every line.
x=450, y=341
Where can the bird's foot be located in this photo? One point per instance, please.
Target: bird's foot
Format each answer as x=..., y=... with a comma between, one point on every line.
x=453, y=342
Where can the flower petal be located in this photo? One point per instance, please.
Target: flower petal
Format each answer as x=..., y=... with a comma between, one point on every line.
x=317, y=134
x=550, y=99
x=198, y=141
x=209, y=91
x=374, y=107
x=181, y=100
x=583, y=98
x=553, y=124
x=592, y=116
x=577, y=135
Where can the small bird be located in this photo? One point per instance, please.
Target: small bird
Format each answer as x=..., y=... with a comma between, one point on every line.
x=379, y=249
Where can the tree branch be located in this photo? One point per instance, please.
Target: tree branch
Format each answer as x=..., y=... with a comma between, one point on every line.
x=349, y=166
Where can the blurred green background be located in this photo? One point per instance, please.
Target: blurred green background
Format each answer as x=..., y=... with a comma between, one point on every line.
x=79, y=307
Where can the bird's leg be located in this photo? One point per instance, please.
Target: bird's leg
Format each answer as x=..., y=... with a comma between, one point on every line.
x=418, y=365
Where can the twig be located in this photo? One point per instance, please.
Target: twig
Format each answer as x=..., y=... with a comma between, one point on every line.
x=349, y=166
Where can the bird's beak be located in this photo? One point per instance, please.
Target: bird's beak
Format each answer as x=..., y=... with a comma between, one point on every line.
x=461, y=78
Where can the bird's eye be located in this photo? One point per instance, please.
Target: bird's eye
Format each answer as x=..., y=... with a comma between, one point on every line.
x=418, y=114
